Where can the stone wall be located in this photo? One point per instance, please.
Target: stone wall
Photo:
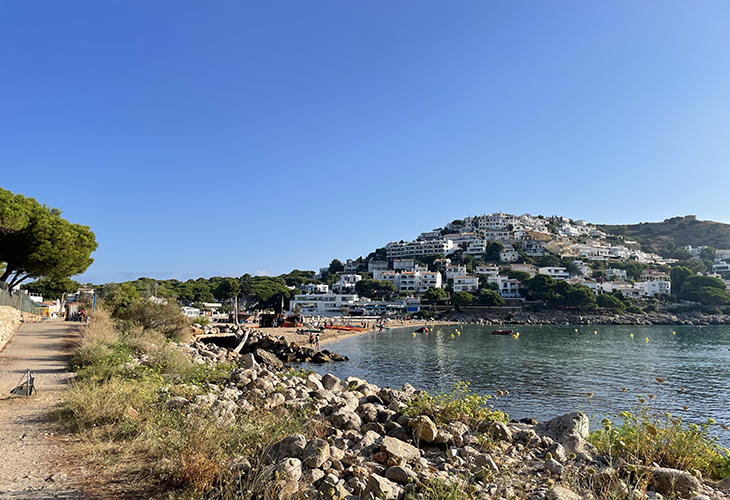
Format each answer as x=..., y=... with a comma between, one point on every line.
x=9, y=323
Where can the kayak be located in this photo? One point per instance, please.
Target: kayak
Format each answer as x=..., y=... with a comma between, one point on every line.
x=502, y=332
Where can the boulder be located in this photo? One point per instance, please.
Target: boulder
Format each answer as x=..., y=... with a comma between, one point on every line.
x=401, y=475
x=672, y=482
x=424, y=429
x=346, y=420
x=560, y=493
x=379, y=487
x=269, y=359
x=559, y=428
x=367, y=444
x=331, y=383
x=399, y=452
x=291, y=446
x=315, y=453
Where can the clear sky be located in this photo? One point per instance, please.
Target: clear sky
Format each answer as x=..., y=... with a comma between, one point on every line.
x=231, y=137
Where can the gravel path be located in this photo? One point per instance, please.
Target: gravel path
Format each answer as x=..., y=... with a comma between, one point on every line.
x=32, y=465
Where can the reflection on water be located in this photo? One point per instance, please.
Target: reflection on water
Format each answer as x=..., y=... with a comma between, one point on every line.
x=549, y=370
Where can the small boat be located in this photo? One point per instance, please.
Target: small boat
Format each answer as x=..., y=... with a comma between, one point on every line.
x=502, y=332
x=423, y=329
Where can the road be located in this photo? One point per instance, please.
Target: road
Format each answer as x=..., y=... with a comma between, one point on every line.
x=32, y=465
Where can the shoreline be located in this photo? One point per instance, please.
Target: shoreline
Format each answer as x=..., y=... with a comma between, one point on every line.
x=331, y=336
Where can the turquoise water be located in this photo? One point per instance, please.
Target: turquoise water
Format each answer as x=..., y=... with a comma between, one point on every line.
x=548, y=370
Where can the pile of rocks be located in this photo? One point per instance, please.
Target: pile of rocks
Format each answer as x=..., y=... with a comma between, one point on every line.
x=272, y=351
x=368, y=448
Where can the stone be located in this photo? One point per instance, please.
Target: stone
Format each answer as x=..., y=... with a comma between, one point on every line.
x=399, y=452
x=368, y=412
x=553, y=466
x=499, y=431
x=558, y=452
x=274, y=400
x=291, y=446
x=331, y=383
x=582, y=448
x=560, y=493
x=379, y=487
x=401, y=433
x=315, y=453
x=401, y=475
x=269, y=359
x=346, y=420
x=424, y=429
x=367, y=444
x=672, y=481
x=373, y=426
x=332, y=489
x=312, y=382
x=559, y=428
x=249, y=362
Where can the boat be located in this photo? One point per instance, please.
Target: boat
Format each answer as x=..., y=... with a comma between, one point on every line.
x=423, y=329
x=502, y=332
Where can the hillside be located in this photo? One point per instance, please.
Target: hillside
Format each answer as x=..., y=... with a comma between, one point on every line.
x=678, y=232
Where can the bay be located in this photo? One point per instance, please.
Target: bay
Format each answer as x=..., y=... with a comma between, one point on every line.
x=551, y=370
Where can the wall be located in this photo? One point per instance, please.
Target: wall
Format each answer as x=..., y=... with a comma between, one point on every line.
x=9, y=323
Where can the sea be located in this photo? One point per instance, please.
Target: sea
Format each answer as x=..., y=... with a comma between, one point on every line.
x=546, y=371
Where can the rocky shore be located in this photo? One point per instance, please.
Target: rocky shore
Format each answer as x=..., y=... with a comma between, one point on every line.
x=368, y=447
x=559, y=317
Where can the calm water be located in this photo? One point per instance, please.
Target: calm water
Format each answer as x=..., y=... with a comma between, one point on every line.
x=549, y=370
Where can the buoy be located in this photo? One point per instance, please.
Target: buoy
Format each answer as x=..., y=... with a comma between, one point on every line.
x=576, y=329
x=452, y=335
x=646, y=338
x=632, y=335
x=674, y=333
x=414, y=334
x=595, y=332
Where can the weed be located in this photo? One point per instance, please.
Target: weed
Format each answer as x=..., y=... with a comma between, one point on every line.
x=461, y=404
x=647, y=434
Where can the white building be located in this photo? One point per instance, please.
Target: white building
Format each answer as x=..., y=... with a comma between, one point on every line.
x=397, y=250
x=557, y=273
x=486, y=270
x=453, y=271
x=508, y=254
x=721, y=267
x=651, y=288
x=377, y=267
x=429, y=279
x=313, y=288
x=533, y=248
x=466, y=284
x=404, y=265
x=509, y=288
x=525, y=268
x=346, y=283
x=619, y=274
x=323, y=305
x=190, y=312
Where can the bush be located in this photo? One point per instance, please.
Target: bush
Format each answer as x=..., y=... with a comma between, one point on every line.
x=164, y=318
x=461, y=404
x=646, y=435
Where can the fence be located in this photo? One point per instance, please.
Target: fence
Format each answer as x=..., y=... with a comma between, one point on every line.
x=18, y=301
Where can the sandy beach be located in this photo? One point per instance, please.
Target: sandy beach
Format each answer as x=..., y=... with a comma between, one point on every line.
x=329, y=336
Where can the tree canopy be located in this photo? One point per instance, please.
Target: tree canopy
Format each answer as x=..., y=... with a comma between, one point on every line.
x=52, y=289
x=375, y=288
x=36, y=242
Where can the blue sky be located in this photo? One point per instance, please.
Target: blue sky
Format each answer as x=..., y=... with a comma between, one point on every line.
x=223, y=138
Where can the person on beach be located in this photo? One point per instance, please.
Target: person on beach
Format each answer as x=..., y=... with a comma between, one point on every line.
x=316, y=341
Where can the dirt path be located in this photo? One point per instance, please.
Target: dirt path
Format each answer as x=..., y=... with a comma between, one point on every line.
x=31, y=457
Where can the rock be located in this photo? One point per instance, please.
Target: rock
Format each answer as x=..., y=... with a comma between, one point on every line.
x=274, y=400
x=498, y=431
x=553, y=466
x=367, y=444
x=424, y=429
x=582, y=448
x=269, y=359
x=331, y=383
x=401, y=433
x=559, y=428
x=379, y=487
x=560, y=493
x=313, y=383
x=291, y=446
x=401, y=475
x=249, y=362
x=558, y=452
x=315, y=453
x=177, y=402
x=346, y=420
x=399, y=452
x=332, y=489
x=368, y=412
x=672, y=481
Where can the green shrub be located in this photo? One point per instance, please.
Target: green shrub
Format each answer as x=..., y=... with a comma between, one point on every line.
x=461, y=404
x=644, y=436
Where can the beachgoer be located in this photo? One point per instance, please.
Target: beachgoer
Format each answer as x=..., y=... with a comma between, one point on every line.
x=316, y=341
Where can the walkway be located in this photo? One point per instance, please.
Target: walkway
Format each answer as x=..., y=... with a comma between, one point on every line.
x=30, y=451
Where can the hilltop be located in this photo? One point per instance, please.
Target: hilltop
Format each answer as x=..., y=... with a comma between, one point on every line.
x=660, y=237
